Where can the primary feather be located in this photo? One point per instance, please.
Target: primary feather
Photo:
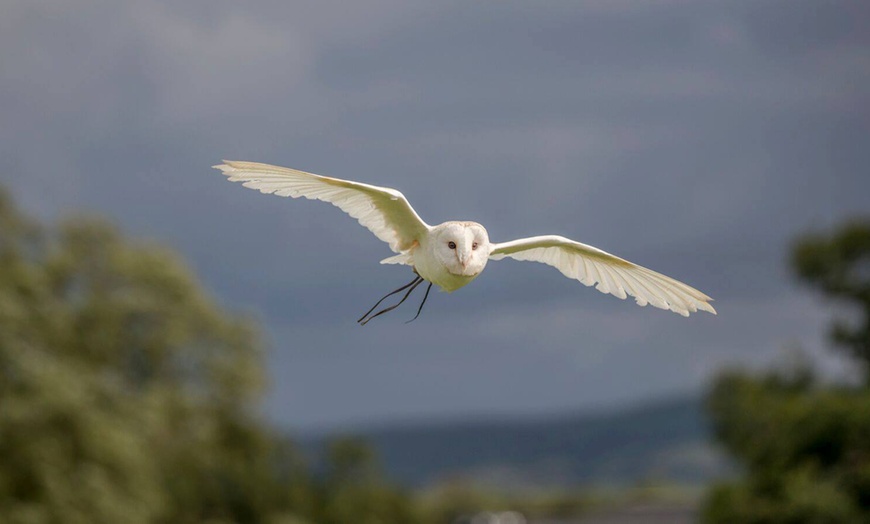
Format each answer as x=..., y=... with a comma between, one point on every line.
x=613, y=275
x=384, y=211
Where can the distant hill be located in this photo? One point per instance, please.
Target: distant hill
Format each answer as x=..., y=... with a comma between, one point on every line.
x=665, y=441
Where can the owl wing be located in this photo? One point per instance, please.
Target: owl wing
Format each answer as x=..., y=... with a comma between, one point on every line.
x=384, y=211
x=613, y=275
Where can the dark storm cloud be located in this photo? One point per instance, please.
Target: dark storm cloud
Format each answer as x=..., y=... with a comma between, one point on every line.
x=693, y=137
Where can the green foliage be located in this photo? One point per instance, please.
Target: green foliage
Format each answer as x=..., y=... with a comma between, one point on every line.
x=354, y=491
x=126, y=395
x=802, y=497
x=805, y=446
x=839, y=266
x=806, y=450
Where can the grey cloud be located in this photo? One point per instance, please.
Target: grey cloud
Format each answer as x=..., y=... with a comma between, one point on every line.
x=695, y=138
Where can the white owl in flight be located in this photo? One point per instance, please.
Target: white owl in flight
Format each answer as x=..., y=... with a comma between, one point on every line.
x=454, y=253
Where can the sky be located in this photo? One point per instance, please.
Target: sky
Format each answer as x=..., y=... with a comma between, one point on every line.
x=694, y=138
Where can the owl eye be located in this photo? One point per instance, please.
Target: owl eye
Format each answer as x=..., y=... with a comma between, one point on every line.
x=451, y=245
x=474, y=245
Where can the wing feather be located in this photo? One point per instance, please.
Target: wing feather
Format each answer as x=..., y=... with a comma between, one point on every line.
x=613, y=275
x=384, y=211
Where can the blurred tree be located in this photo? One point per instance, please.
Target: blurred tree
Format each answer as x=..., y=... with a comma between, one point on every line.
x=839, y=266
x=353, y=489
x=127, y=396
x=805, y=446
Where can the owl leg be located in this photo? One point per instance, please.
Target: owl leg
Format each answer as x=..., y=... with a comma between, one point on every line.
x=412, y=284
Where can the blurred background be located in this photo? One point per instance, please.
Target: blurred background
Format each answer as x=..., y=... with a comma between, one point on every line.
x=176, y=348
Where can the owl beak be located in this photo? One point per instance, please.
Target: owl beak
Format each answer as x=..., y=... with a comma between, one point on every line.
x=463, y=260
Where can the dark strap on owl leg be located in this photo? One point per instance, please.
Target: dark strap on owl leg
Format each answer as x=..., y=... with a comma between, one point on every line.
x=421, y=304
x=412, y=284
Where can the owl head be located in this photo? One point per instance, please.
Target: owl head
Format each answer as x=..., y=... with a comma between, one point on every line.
x=461, y=247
